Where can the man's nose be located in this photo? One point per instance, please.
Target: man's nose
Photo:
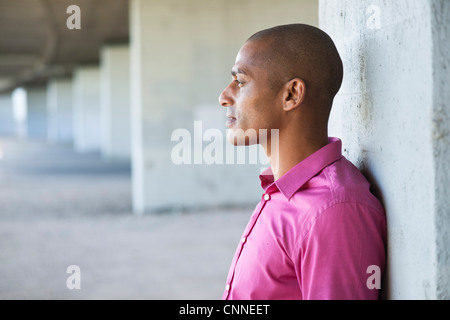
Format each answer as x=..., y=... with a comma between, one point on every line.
x=225, y=98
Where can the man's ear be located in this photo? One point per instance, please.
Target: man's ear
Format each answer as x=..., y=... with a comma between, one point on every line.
x=294, y=94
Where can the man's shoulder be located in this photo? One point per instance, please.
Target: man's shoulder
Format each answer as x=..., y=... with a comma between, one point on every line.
x=341, y=182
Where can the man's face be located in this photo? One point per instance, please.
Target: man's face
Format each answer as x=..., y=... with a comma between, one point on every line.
x=250, y=101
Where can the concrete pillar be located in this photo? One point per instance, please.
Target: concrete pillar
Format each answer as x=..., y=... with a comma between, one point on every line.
x=86, y=104
x=19, y=101
x=182, y=53
x=393, y=114
x=37, y=112
x=115, y=102
x=60, y=110
x=8, y=126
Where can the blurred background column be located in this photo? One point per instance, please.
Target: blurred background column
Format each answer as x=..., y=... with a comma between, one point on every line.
x=182, y=53
x=60, y=110
x=37, y=111
x=7, y=122
x=115, y=101
x=86, y=100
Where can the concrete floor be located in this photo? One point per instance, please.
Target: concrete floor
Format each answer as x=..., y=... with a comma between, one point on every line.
x=60, y=208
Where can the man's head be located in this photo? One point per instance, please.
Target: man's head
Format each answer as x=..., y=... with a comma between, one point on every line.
x=283, y=77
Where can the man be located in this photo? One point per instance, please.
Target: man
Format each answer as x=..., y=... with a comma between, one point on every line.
x=318, y=232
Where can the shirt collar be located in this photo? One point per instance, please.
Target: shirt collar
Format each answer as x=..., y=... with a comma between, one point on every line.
x=295, y=178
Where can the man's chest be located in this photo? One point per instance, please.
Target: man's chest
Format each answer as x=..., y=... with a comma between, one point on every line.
x=264, y=266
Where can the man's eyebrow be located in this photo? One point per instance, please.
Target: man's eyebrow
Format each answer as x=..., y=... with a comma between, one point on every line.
x=235, y=72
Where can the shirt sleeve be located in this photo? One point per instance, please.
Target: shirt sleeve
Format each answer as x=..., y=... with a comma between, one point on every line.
x=342, y=256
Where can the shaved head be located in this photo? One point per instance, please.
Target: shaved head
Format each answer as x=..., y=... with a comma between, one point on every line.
x=301, y=51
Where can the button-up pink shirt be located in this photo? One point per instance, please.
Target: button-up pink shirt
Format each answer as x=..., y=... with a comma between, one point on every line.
x=318, y=233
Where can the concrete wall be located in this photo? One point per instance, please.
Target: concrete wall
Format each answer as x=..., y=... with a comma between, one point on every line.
x=392, y=113
x=440, y=30
x=86, y=104
x=37, y=112
x=115, y=101
x=60, y=110
x=7, y=123
x=182, y=53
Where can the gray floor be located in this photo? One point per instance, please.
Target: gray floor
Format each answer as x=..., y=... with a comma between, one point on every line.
x=60, y=208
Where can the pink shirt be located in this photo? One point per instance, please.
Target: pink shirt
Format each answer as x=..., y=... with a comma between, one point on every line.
x=316, y=234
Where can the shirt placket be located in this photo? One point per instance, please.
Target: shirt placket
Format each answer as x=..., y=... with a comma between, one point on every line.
x=265, y=197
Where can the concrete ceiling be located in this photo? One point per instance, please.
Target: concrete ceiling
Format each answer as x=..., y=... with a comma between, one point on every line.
x=36, y=44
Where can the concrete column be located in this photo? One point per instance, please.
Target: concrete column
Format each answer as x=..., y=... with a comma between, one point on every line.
x=19, y=101
x=60, y=110
x=115, y=102
x=7, y=123
x=37, y=112
x=86, y=103
x=182, y=53
x=393, y=114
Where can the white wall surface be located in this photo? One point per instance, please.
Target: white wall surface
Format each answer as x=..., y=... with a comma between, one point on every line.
x=392, y=113
x=182, y=53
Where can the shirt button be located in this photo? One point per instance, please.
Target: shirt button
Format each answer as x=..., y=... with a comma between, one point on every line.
x=266, y=197
x=243, y=239
x=227, y=287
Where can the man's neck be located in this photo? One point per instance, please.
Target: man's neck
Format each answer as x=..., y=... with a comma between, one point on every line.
x=289, y=151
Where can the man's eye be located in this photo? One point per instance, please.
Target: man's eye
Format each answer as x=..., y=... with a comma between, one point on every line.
x=239, y=83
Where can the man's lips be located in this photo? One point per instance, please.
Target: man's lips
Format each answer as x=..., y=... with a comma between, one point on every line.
x=231, y=120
